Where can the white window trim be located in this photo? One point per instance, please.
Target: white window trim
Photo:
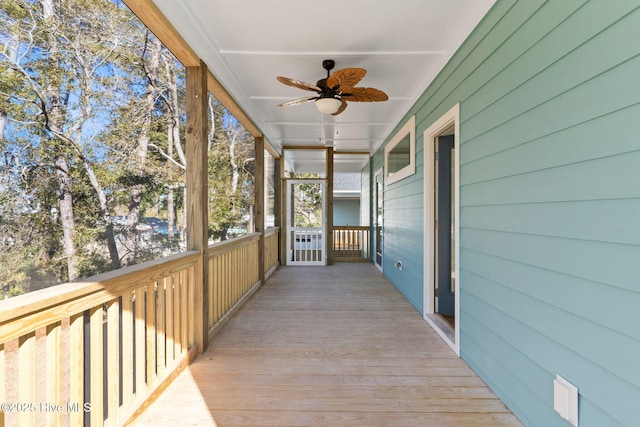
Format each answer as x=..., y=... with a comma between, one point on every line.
x=409, y=128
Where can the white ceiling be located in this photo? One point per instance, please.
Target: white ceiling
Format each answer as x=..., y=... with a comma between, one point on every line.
x=402, y=44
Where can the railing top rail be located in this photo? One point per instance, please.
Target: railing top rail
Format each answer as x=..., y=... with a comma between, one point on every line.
x=271, y=231
x=115, y=283
x=227, y=245
x=350, y=227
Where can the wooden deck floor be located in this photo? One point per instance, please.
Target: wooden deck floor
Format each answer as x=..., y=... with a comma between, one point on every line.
x=320, y=346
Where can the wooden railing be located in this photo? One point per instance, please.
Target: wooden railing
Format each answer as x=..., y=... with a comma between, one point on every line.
x=233, y=274
x=271, y=250
x=351, y=243
x=92, y=351
x=233, y=271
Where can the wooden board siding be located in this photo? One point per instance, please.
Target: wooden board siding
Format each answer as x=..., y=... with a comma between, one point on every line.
x=328, y=346
x=549, y=98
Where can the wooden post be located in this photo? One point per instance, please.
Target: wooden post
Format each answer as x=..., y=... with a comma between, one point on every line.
x=197, y=189
x=284, y=228
x=277, y=202
x=259, y=202
x=329, y=199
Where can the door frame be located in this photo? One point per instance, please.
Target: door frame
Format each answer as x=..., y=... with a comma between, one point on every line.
x=450, y=119
x=379, y=173
x=289, y=220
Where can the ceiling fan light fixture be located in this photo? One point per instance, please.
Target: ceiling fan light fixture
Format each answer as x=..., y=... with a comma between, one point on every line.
x=328, y=105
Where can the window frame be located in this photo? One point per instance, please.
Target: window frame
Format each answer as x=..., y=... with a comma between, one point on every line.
x=408, y=129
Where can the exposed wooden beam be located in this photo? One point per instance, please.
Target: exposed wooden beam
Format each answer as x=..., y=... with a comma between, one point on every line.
x=221, y=94
x=160, y=26
x=271, y=149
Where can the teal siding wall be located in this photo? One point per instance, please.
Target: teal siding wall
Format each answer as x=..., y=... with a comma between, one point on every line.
x=549, y=96
x=346, y=212
x=403, y=228
x=365, y=196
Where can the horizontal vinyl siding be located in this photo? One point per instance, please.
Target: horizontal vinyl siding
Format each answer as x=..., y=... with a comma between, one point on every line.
x=403, y=229
x=346, y=212
x=549, y=96
x=549, y=242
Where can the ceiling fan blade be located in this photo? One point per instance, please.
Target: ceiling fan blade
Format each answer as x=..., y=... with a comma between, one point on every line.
x=343, y=107
x=298, y=101
x=365, y=94
x=346, y=78
x=299, y=84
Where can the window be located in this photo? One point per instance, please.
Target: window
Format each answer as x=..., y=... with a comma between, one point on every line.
x=400, y=154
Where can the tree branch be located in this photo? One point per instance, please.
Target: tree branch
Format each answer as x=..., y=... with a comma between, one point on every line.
x=166, y=156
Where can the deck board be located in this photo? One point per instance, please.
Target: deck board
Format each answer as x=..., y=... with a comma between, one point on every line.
x=335, y=345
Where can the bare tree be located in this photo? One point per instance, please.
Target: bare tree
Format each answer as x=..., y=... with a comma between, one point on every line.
x=146, y=109
x=53, y=110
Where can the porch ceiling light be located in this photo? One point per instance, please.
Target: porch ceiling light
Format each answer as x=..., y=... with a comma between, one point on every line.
x=328, y=105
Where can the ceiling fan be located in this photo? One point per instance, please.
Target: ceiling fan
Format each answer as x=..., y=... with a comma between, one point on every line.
x=335, y=90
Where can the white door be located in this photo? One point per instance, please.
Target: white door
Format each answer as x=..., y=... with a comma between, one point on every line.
x=306, y=242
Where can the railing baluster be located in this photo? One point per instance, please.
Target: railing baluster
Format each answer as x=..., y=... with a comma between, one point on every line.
x=228, y=279
x=191, y=274
x=184, y=313
x=2, y=383
x=96, y=364
x=160, y=325
x=54, y=372
x=221, y=284
x=170, y=315
x=216, y=289
x=26, y=375
x=210, y=292
x=76, y=369
x=140, y=338
x=234, y=273
x=128, y=328
x=177, y=315
x=150, y=316
x=113, y=360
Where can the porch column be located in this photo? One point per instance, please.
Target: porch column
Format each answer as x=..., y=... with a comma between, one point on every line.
x=329, y=198
x=277, y=203
x=282, y=182
x=258, y=218
x=197, y=190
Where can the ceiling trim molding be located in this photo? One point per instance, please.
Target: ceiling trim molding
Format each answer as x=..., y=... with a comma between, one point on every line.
x=336, y=54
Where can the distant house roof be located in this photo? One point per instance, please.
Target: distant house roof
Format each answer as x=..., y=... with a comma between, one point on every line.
x=346, y=185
